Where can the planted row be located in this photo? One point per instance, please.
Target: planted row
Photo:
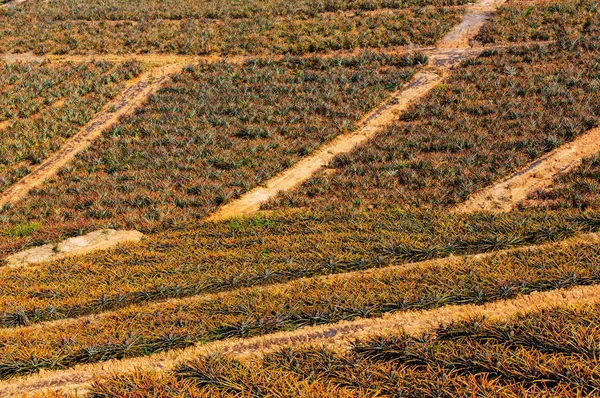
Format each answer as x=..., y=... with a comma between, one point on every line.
x=518, y=21
x=142, y=330
x=262, y=251
x=244, y=27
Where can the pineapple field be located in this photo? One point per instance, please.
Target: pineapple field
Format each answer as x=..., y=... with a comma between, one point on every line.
x=320, y=198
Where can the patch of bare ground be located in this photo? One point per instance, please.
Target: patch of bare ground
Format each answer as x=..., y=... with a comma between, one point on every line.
x=336, y=335
x=12, y=3
x=508, y=193
x=79, y=245
x=125, y=103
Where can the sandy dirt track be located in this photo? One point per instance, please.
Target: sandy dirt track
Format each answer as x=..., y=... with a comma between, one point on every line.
x=540, y=174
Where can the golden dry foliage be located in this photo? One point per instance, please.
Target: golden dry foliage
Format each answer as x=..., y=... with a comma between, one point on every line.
x=552, y=352
x=144, y=329
x=215, y=257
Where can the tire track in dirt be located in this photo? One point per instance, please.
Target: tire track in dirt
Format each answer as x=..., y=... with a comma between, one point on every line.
x=125, y=103
x=540, y=174
x=452, y=49
x=336, y=335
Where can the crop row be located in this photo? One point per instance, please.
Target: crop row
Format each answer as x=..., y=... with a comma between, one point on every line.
x=259, y=34
x=142, y=330
x=120, y=10
x=491, y=117
x=211, y=133
x=262, y=251
x=577, y=189
x=544, y=353
x=518, y=21
x=46, y=104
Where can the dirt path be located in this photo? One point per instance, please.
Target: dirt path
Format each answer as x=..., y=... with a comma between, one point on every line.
x=138, y=90
x=335, y=335
x=76, y=246
x=540, y=174
x=452, y=49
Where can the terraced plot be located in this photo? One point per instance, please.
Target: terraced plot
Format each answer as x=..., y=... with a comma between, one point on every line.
x=263, y=251
x=538, y=353
x=493, y=116
x=241, y=27
x=210, y=134
x=44, y=104
x=142, y=330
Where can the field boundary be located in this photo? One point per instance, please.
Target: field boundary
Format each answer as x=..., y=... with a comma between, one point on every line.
x=125, y=103
x=539, y=174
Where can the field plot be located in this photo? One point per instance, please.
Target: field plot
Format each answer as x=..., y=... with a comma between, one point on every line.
x=144, y=329
x=263, y=251
x=541, y=20
x=44, y=104
x=492, y=116
x=541, y=353
x=210, y=134
x=220, y=27
x=578, y=189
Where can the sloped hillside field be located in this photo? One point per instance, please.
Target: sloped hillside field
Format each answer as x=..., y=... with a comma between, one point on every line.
x=329, y=198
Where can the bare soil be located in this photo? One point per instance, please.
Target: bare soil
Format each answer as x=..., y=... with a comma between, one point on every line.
x=79, y=245
x=540, y=174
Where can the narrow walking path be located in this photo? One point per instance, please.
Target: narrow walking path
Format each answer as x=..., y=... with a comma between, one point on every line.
x=540, y=174
x=250, y=202
x=125, y=103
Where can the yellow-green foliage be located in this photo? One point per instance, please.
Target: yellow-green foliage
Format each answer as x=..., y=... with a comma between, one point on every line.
x=225, y=256
x=143, y=329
